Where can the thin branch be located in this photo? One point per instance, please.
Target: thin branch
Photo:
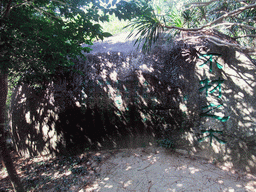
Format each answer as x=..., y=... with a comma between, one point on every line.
x=232, y=24
x=47, y=13
x=200, y=4
x=220, y=19
x=8, y=8
x=222, y=43
x=232, y=13
x=182, y=29
x=244, y=36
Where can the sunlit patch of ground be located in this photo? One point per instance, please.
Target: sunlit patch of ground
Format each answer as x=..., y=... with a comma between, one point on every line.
x=141, y=169
x=154, y=169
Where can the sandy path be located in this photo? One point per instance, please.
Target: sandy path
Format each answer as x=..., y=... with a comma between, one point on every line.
x=156, y=170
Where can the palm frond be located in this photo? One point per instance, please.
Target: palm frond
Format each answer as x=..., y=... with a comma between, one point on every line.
x=147, y=29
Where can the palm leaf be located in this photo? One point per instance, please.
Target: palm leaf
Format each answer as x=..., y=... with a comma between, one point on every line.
x=147, y=29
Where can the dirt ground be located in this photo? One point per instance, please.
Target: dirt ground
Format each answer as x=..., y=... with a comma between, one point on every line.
x=151, y=169
x=157, y=169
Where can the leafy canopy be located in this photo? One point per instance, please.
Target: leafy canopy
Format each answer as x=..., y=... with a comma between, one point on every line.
x=37, y=37
x=230, y=17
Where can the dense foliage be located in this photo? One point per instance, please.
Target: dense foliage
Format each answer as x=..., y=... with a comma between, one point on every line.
x=38, y=36
x=233, y=18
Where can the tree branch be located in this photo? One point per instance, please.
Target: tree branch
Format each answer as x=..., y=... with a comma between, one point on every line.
x=220, y=19
x=200, y=4
x=244, y=36
x=8, y=9
x=222, y=43
x=238, y=24
x=232, y=13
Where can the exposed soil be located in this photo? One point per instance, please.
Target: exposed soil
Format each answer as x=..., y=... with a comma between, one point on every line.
x=141, y=169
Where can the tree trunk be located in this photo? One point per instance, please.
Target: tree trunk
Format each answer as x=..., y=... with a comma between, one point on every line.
x=4, y=152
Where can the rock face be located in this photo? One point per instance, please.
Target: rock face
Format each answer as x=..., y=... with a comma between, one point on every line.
x=120, y=97
x=232, y=97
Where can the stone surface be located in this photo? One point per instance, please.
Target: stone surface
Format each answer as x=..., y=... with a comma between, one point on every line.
x=125, y=94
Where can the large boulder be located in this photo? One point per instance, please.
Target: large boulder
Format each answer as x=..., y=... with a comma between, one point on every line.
x=121, y=97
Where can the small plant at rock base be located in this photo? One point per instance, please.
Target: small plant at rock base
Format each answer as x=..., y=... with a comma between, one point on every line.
x=166, y=143
x=79, y=170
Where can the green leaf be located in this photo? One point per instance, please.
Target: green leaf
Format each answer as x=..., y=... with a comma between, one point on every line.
x=106, y=34
x=158, y=9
